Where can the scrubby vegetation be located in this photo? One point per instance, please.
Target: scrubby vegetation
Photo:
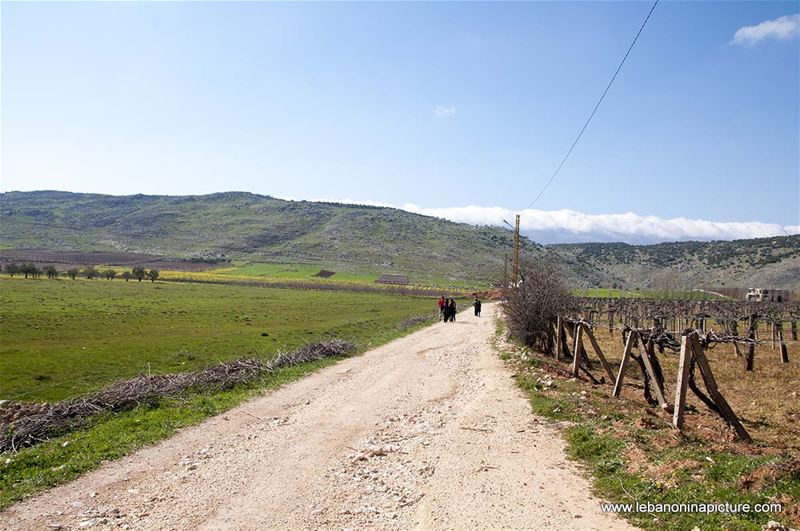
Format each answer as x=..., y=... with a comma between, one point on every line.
x=349, y=239
x=768, y=262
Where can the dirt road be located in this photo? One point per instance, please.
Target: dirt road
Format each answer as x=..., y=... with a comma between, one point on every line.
x=427, y=432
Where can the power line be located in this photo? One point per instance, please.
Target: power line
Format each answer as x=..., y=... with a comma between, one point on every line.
x=602, y=97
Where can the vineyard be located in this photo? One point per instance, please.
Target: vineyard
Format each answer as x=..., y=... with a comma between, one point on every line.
x=670, y=341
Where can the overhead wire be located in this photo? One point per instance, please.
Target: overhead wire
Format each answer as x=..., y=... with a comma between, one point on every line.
x=597, y=106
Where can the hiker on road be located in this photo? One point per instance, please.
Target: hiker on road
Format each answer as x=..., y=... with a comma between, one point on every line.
x=477, y=305
x=452, y=310
x=442, y=302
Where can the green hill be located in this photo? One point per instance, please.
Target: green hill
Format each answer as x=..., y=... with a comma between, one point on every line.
x=245, y=226
x=369, y=240
x=768, y=262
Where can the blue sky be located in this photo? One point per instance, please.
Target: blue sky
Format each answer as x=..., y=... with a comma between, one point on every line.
x=435, y=107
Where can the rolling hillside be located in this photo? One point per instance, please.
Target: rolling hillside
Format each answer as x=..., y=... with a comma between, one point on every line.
x=237, y=225
x=364, y=239
x=768, y=262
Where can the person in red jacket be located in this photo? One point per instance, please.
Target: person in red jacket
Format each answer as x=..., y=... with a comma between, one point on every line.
x=441, y=306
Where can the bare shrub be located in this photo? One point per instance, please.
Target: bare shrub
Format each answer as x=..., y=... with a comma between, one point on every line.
x=532, y=306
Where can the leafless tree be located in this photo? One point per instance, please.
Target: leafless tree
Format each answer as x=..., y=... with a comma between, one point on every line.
x=533, y=305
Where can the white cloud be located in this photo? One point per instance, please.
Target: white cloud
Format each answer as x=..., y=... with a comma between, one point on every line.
x=782, y=28
x=444, y=110
x=552, y=226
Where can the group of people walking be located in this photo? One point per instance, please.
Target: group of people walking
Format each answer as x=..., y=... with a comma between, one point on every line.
x=448, y=309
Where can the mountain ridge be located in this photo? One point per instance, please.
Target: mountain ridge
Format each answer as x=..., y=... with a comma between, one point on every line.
x=242, y=225
x=368, y=238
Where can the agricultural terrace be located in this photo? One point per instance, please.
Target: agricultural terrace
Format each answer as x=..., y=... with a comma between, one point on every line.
x=306, y=274
x=302, y=273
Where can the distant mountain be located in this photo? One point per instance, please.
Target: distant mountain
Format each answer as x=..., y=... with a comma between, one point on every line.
x=768, y=262
x=238, y=225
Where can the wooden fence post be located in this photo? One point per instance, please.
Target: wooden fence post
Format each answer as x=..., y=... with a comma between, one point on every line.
x=749, y=359
x=626, y=354
x=576, y=361
x=600, y=354
x=684, y=362
x=559, y=327
x=774, y=335
x=711, y=385
x=734, y=325
x=784, y=351
x=662, y=402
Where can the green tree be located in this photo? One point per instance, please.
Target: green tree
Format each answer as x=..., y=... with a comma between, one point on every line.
x=138, y=273
x=126, y=275
x=13, y=269
x=72, y=273
x=109, y=274
x=152, y=275
x=28, y=269
x=90, y=272
x=50, y=271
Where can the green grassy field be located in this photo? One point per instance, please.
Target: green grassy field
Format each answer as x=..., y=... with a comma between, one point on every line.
x=59, y=338
x=305, y=273
x=605, y=293
x=290, y=272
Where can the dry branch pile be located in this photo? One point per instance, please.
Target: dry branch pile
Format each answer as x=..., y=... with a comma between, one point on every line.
x=21, y=426
x=413, y=321
x=315, y=351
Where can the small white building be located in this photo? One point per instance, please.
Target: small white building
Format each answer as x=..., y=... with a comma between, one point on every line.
x=765, y=295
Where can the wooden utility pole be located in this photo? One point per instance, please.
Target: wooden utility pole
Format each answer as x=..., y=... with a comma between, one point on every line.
x=516, y=250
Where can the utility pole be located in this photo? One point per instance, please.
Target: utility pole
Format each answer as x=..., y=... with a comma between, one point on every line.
x=516, y=250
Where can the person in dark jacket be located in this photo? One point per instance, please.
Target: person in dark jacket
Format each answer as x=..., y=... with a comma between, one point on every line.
x=446, y=310
x=453, y=310
x=477, y=305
